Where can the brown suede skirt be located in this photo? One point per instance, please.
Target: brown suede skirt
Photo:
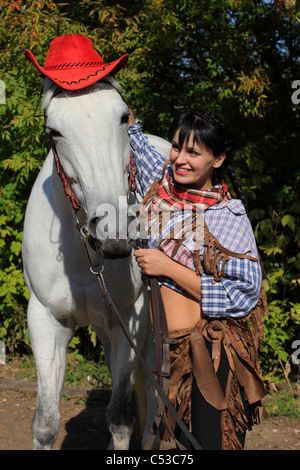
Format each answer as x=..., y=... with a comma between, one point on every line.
x=190, y=359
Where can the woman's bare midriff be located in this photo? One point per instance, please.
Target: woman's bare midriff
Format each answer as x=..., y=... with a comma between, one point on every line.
x=181, y=311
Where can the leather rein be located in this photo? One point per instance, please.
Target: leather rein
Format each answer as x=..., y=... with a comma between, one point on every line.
x=162, y=340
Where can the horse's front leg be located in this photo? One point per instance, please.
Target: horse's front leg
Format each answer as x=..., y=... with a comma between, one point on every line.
x=121, y=409
x=50, y=339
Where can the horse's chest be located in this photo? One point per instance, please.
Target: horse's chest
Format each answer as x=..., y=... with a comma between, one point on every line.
x=81, y=298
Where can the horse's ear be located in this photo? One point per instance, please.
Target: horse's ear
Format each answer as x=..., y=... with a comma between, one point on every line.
x=2, y=92
x=38, y=105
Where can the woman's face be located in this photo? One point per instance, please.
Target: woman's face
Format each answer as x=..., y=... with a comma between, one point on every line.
x=193, y=164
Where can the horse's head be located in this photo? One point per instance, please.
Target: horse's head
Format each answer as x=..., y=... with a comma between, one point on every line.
x=89, y=131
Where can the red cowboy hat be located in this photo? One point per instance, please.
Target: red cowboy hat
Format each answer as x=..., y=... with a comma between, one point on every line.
x=73, y=63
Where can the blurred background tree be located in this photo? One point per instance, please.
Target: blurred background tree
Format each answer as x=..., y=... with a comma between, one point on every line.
x=236, y=57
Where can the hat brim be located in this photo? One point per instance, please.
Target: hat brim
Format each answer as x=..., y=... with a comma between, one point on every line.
x=76, y=78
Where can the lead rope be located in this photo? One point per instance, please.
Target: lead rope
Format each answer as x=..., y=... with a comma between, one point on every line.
x=98, y=272
x=163, y=362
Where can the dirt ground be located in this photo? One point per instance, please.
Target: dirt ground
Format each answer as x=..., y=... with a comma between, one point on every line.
x=83, y=422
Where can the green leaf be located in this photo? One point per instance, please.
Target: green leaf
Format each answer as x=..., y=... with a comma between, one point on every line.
x=289, y=220
x=265, y=226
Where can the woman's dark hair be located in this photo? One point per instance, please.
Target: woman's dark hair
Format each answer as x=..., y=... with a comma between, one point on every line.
x=209, y=130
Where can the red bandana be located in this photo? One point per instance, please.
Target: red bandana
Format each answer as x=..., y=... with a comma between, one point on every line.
x=171, y=194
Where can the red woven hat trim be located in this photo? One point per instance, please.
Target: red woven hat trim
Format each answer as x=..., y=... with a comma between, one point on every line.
x=80, y=64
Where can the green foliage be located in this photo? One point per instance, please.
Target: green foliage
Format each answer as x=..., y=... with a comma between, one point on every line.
x=83, y=371
x=283, y=401
x=236, y=57
x=22, y=24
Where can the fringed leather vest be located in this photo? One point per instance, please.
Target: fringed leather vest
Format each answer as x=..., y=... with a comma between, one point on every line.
x=241, y=339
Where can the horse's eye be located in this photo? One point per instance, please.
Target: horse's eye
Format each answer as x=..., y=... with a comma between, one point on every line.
x=124, y=118
x=55, y=133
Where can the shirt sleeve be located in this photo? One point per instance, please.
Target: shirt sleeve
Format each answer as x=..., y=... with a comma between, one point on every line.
x=236, y=294
x=148, y=161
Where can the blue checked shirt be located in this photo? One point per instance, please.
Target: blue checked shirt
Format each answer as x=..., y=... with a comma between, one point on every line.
x=238, y=291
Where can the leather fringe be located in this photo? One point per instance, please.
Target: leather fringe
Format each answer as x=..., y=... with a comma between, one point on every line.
x=189, y=357
x=241, y=340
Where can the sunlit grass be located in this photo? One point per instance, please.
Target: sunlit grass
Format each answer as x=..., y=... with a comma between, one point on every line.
x=284, y=401
x=80, y=372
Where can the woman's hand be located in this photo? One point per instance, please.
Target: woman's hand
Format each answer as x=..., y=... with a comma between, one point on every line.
x=153, y=262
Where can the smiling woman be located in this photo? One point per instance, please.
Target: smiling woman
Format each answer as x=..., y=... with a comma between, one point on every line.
x=192, y=163
x=206, y=138
x=210, y=286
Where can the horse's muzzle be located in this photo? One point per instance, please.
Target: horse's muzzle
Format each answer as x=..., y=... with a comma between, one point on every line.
x=113, y=249
x=110, y=239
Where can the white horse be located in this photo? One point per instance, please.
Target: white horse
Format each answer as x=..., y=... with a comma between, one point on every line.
x=90, y=134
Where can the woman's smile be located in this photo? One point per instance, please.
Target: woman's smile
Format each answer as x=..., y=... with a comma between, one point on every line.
x=182, y=171
x=193, y=164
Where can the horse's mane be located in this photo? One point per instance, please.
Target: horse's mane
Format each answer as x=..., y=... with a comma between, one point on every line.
x=50, y=88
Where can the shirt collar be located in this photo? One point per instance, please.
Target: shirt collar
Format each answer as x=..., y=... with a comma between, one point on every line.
x=234, y=205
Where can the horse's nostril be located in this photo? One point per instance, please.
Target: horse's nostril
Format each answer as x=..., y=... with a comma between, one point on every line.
x=95, y=221
x=92, y=225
